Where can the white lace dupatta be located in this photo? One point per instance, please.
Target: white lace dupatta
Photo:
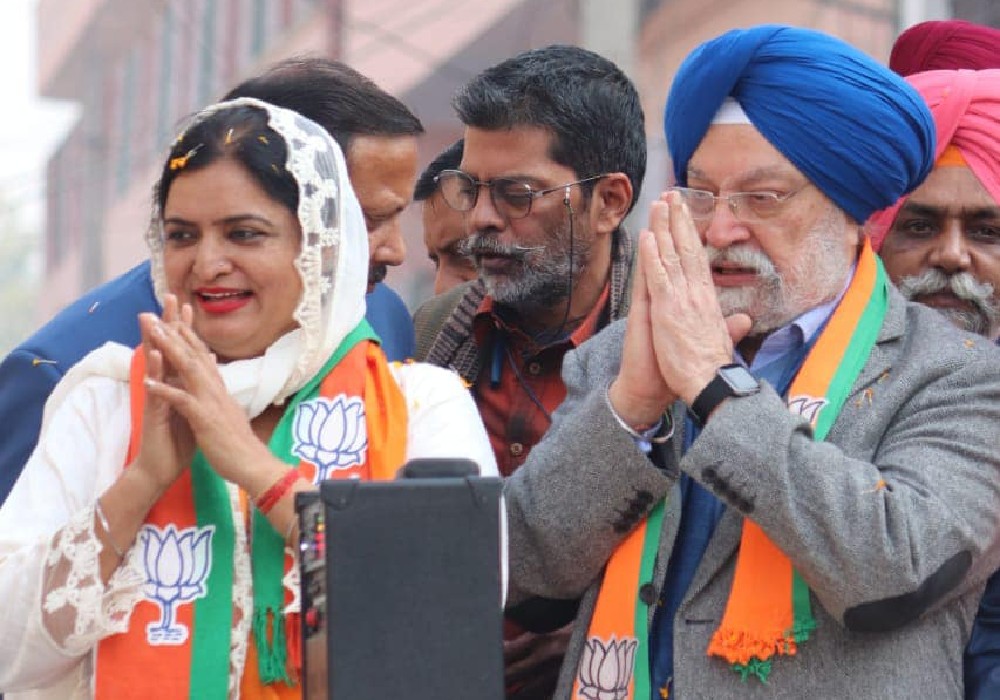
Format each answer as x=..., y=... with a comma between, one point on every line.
x=332, y=263
x=333, y=267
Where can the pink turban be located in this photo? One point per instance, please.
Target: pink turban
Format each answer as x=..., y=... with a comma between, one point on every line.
x=966, y=109
x=947, y=45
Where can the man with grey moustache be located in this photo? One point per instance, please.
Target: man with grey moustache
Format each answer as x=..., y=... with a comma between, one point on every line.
x=942, y=247
x=787, y=490
x=941, y=244
x=554, y=156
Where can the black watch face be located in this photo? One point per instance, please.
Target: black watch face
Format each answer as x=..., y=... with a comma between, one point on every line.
x=742, y=382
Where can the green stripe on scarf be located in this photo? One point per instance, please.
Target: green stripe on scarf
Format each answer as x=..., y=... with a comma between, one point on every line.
x=650, y=546
x=857, y=353
x=268, y=555
x=853, y=361
x=862, y=342
x=213, y=613
x=804, y=622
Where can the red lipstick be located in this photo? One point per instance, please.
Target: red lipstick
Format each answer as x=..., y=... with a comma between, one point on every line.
x=221, y=300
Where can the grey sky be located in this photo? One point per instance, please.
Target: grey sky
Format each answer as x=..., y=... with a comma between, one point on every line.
x=29, y=127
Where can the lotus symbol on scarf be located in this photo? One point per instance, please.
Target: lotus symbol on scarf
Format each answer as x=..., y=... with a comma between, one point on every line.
x=807, y=406
x=331, y=433
x=177, y=563
x=606, y=669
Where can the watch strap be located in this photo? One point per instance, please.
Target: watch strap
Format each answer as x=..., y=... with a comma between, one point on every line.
x=717, y=391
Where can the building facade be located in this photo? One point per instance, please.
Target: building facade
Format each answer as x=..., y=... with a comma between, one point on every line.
x=138, y=68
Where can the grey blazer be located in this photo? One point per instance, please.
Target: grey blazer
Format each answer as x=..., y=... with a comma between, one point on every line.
x=895, y=572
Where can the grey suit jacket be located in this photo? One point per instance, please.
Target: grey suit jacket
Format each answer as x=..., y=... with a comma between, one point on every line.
x=895, y=572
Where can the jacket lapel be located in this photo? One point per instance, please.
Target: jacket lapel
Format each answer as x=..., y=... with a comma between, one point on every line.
x=723, y=545
x=882, y=355
x=726, y=538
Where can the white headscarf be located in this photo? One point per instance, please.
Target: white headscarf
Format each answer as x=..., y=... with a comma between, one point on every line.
x=332, y=264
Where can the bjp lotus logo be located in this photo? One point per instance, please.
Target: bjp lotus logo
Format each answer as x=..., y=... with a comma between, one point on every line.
x=606, y=669
x=177, y=564
x=331, y=433
x=807, y=406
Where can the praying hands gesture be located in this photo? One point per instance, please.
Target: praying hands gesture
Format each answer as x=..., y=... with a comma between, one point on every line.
x=675, y=336
x=167, y=443
x=194, y=393
x=186, y=407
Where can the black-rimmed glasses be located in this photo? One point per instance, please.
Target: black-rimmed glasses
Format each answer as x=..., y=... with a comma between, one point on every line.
x=511, y=198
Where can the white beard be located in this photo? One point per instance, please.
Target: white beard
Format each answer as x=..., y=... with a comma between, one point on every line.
x=817, y=276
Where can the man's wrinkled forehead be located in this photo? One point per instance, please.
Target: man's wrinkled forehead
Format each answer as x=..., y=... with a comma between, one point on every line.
x=952, y=191
x=738, y=154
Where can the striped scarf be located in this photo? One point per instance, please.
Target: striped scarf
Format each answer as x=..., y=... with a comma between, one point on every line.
x=178, y=644
x=768, y=611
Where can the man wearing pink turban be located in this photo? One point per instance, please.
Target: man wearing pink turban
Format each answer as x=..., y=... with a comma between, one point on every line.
x=945, y=45
x=941, y=244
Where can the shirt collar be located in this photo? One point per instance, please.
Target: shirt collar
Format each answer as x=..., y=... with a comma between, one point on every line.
x=487, y=313
x=797, y=332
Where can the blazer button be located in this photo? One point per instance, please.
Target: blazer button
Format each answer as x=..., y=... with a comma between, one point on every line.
x=516, y=449
x=647, y=593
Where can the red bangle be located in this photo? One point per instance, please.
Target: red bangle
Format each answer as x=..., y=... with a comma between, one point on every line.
x=267, y=500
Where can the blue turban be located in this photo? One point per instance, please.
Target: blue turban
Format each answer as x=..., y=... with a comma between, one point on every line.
x=859, y=132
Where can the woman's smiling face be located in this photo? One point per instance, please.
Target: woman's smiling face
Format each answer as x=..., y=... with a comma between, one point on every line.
x=229, y=251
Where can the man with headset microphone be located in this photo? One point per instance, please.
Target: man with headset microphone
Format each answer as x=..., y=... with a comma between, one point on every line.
x=554, y=155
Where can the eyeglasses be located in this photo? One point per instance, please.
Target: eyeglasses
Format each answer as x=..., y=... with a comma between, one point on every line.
x=511, y=198
x=748, y=207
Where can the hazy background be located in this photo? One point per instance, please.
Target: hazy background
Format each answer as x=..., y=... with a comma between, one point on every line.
x=129, y=70
x=30, y=128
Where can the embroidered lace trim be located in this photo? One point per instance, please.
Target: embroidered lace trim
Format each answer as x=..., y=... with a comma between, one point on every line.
x=242, y=594
x=78, y=609
x=333, y=260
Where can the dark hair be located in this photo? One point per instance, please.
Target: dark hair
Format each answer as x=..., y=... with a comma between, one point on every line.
x=448, y=159
x=238, y=133
x=333, y=95
x=585, y=100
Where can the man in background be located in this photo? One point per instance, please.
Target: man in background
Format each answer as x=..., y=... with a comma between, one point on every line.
x=941, y=243
x=444, y=228
x=553, y=159
x=941, y=246
x=945, y=45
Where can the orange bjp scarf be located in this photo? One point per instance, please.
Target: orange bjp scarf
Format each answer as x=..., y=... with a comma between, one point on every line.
x=349, y=421
x=768, y=612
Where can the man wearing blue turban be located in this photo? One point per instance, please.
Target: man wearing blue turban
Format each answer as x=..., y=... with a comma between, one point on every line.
x=776, y=477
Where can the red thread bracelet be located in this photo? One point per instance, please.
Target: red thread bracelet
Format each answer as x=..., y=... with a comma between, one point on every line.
x=267, y=500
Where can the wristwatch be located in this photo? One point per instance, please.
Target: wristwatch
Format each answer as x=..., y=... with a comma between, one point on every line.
x=730, y=380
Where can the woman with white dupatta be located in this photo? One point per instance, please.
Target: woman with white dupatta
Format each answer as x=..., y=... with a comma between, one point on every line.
x=144, y=550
